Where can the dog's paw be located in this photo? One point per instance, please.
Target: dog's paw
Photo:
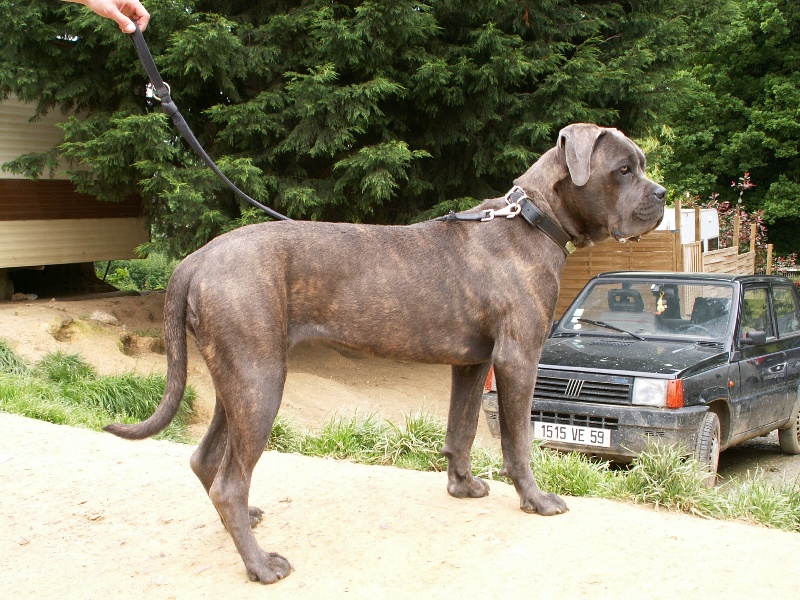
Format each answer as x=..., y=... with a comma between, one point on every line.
x=270, y=569
x=470, y=487
x=256, y=514
x=545, y=505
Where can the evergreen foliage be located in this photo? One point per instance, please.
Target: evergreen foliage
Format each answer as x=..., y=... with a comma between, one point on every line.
x=339, y=110
x=740, y=114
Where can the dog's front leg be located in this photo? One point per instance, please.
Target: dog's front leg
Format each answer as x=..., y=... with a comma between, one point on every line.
x=462, y=422
x=515, y=393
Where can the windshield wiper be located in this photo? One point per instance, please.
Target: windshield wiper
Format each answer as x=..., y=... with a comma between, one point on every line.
x=609, y=326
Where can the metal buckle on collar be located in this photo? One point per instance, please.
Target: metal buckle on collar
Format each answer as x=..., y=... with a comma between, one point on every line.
x=515, y=195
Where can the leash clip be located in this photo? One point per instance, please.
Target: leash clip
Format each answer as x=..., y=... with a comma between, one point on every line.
x=152, y=89
x=509, y=212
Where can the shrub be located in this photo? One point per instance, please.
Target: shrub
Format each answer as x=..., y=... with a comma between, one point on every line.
x=151, y=273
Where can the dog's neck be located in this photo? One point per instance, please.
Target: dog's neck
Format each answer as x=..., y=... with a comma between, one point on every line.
x=550, y=205
x=540, y=183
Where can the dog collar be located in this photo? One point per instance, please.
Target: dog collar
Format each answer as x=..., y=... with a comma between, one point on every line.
x=535, y=218
x=518, y=203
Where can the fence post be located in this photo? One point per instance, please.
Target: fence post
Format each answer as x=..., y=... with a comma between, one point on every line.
x=678, y=239
x=769, y=258
x=752, y=237
x=736, y=229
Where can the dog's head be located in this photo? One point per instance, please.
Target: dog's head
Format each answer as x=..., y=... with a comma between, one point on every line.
x=594, y=181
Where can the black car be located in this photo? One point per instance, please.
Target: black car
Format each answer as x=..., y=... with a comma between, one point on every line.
x=702, y=360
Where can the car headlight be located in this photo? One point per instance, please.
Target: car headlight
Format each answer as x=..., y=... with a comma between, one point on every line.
x=650, y=392
x=660, y=393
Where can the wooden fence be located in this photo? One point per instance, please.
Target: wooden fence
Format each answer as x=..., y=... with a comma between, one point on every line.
x=657, y=251
x=728, y=260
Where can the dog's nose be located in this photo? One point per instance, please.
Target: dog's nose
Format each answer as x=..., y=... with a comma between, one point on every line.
x=660, y=193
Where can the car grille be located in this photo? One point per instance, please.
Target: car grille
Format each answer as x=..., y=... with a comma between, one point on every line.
x=585, y=389
x=579, y=420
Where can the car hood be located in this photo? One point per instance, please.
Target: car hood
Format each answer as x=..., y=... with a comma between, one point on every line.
x=660, y=357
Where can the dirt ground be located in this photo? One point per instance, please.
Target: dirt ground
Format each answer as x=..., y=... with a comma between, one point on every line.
x=87, y=515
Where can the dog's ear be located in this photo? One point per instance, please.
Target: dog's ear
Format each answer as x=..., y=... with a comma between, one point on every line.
x=577, y=141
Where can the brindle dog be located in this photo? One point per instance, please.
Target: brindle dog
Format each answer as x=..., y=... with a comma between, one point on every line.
x=464, y=293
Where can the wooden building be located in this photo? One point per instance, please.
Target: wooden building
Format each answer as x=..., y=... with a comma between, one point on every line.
x=49, y=233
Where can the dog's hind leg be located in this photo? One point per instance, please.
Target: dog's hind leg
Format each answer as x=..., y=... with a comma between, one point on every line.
x=249, y=417
x=207, y=457
x=515, y=394
x=462, y=422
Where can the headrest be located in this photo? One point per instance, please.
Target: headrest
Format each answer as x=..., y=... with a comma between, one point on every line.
x=625, y=301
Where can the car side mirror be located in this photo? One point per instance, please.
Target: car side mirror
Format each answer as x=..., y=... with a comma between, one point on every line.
x=754, y=338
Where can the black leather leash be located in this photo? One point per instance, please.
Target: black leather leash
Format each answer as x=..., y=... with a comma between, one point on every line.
x=518, y=203
x=162, y=94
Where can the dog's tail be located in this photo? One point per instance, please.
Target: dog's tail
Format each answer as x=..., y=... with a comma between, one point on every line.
x=175, y=308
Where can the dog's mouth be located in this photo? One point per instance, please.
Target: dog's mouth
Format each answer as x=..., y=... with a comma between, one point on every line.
x=622, y=238
x=651, y=215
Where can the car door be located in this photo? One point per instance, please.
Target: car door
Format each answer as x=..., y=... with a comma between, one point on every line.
x=787, y=318
x=760, y=396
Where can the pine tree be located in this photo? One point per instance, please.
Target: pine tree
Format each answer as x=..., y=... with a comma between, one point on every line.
x=339, y=110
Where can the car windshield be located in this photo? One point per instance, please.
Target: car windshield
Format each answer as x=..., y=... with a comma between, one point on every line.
x=644, y=308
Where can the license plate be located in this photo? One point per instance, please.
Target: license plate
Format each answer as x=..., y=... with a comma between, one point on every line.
x=572, y=434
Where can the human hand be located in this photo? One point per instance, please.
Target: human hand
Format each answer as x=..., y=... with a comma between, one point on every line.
x=124, y=12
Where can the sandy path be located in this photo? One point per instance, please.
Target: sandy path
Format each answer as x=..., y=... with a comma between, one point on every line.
x=86, y=515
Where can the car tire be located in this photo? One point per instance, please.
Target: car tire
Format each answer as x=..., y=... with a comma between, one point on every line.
x=706, y=449
x=789, y=437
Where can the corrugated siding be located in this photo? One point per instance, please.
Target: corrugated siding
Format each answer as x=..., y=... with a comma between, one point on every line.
x=19, y=135
x=31, y=243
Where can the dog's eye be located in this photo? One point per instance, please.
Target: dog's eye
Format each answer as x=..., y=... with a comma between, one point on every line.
x=625, y=170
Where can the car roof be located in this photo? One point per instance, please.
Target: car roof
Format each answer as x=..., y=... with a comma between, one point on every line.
x=709, y=277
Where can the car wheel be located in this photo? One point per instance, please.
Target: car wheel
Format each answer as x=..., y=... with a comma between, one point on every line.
x=789, y=437
x=706, y=449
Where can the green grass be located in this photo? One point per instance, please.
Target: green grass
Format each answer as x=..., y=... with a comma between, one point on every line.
x=64, y=389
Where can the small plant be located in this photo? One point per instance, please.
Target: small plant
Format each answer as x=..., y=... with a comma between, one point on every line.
x=285, y=436
x=416, y=445
x=65, y=368
x=348, y=439
x=667, y=476
x=10, y=362
x=572, y=474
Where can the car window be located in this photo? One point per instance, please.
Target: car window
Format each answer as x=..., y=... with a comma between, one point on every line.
x=693, y=309
x=785, y=303
x=755, y=312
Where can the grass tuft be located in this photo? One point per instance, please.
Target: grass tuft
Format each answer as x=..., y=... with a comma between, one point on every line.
x=356, y=439
x=64, y=389
x=286, y=436
x=416, y=445
x=10, y=361
x=63, y=368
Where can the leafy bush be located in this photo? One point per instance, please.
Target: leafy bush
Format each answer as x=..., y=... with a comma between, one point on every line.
x=151, y=273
